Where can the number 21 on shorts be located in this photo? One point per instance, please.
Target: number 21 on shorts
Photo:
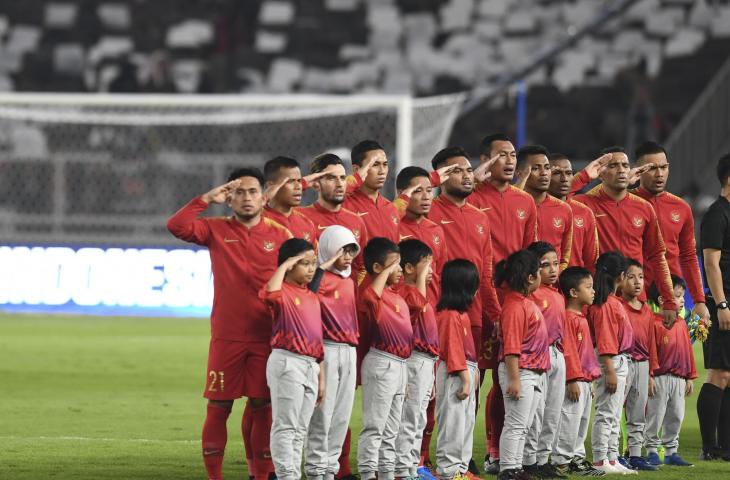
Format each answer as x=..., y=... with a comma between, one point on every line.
x=216, y=377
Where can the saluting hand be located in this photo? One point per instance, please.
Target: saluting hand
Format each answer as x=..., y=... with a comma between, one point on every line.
x=597, y=166
x=332, y=260
x=636, y=172
x=271, y=191
x=221, y=193
x=482, y=173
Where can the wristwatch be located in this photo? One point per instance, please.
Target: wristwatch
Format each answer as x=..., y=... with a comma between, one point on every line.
x=722, y=305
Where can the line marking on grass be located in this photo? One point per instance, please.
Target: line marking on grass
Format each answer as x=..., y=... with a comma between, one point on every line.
x=99, y=439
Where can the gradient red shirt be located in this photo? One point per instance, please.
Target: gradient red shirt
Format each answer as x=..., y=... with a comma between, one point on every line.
x=523, y=333
x=631, y=227
x=585, y=249
x=423, y=319
x=610, y=327
x=576, y=326
x=432, y=235
x=552, y=306
x=297, y=320
x=242, y=261
x=381, y=217
x=555, y=226
x=512, y=214
x=339, y=308
x=468, y=236
x=674, y=349
x=299, y=225
x=642, y=323
x=678, y=230
x=456, y=345
x=389, y=322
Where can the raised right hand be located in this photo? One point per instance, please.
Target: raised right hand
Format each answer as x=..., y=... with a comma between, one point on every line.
x=221, y=193
x=597, y=166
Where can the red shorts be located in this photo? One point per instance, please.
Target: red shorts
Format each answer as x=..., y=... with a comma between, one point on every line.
x=236, y=369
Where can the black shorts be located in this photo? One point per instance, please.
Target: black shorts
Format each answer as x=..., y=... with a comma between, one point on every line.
x=716, y=349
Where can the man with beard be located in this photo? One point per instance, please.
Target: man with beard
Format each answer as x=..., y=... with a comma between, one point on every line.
x=554, y=217
x=584, y=250
x=243, y=257
x=628, y=224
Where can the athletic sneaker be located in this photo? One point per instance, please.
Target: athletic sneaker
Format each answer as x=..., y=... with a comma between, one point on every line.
x=653, y=459
x=548, y=470
x=470, y=476
x=640, y=463
x=584, y=468
x=513, y=474
x=563, y=469
x=491, y=467
x=714, y=454
x=623, y=470
x=473, y=467
x=532, y=470
x=425, y=473
x=607, y=468
x=624, y=461
x=676, y=461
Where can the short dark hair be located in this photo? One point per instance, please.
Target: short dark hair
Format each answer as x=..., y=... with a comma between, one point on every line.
x=652, y=293
x=412, y=251
x=376, y=251
x=541, y=248
x=444, y=154
x=571, y=278
x=723, y=169
x=357, y=155
x=485, y=148
x=459, y=284
x=613, y=149
x=292, y=248
x=648, y=148
x=516, y=270
x=323, y=161
x=247, y=172
x=403, y=180
x=555, y=156
x=528, y=150
x=632, y=262
x=272, y=167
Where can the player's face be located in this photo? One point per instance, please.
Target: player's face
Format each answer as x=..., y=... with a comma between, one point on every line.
x=290, y=194
x=333, y=185
x=585, y=292
x=549, y=268
x=349, y=252
x=397, y=274
x=655, y=180
x=561, y=177
x=303, y=271
x=247, y=199
x=616, y=174
x=679, y=297
x=378, y=171
x=503, y=170
x=461, y=179
x=422, y=196
x=633, y=283
x=539, y=179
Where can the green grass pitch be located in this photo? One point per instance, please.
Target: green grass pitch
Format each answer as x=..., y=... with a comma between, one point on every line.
x=121, y=398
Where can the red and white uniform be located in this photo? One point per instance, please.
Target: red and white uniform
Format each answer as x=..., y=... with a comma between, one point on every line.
x=432, y=235
x=555, y=226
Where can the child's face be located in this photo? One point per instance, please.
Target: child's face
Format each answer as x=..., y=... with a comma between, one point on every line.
x=303, y=271
x=679, y=297
x=633, y=283
x=425, y=263
x=534, y=282
x=584, y=291
x=397, y=273
x=348, y=255
x=549, y=268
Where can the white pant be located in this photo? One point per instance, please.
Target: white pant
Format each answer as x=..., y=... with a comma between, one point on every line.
x=518, y=415
x=666, y=413
x=541, y=437
x=294, y=383
x=574, y=420
x=328, y=428
x=606, y=423
x=455, y=419
x=637, y=395
x=384, y=379
x=413, y=421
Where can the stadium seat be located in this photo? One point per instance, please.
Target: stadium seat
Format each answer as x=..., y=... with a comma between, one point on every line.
x=60, y=15
x=114, y=16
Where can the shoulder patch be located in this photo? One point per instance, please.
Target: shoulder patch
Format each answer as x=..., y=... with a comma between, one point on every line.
x=594, y=191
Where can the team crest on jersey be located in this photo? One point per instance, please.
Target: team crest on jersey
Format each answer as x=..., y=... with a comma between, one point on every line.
x=306, y=236
x=580, y=336
x=665, y=340
x=436, y=240
x=268, y=246
x=356, y=232
x=337, y=294
x=395, y=219
x=637, y=221
x=297, y=302
x=579, y=222
x=397, y=308
x=675, y=216
x=425, y=307
x=557, y=222
x=544, y=304
x=480, y=229
x=521, y=214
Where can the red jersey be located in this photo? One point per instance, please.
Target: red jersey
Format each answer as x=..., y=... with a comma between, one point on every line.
x=381, y=217
x=323, y=218
x=242, y=261
x=513, y=211
x=523, y=333
x=432, y=235
x=299, y=225
x=552, y=306
x=576, y=326
x=555, y=226
x=631, y=227
x=339, y=308
x=585, y=251
x=423, y=319
x=468, y=236
x=389, y=322
x=642, y=322
x=297, y=320
x=610, y=327
x=674, y=349
x=678, y=230
x=455, y=340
